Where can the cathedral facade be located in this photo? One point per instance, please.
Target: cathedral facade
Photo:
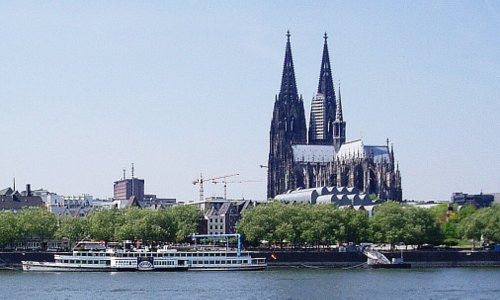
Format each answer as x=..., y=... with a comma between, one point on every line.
x=319, y=156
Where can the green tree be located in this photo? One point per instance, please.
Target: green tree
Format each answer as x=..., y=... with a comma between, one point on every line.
x=466, y=211
x=440, y=212
x=491, y=231
x=421, y=227
x=255, y=225
x=36, y=222
x=102, y=224
x=159, y=226
x=128, y=223
x=9, y=228
x=354, y=225
x=471, y=227
x=320, y=226
x=186, y=219
x=70, y=227
x=388, y=223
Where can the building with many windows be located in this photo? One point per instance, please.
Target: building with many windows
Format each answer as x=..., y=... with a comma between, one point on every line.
x=128, y=187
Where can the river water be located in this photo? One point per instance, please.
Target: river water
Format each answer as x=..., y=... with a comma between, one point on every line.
x=274, y=283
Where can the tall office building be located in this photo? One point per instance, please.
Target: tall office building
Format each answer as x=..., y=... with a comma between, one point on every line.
x=126, y=188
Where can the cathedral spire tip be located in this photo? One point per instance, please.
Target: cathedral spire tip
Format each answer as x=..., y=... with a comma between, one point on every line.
x=288, y=35
x=325, y=36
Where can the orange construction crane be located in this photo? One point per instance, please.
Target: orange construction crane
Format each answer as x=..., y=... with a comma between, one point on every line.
x=201, y=180
x=224, y=182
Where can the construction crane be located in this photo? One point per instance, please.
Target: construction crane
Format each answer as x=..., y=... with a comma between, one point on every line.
x=224, y=182
x=200, y=181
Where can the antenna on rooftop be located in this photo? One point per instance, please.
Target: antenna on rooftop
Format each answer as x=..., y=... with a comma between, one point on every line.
x=132, y=170
x=124, y=174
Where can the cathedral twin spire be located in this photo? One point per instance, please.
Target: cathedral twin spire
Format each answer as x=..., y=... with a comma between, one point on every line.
x=288, y=91
x=323, y=106
x=325, y=85
x=292, y=163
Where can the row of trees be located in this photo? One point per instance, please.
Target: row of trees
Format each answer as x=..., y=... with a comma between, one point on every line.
x=469, y=223
x=391, y=223
x=168, y=225
x=277, y=223
x=303, y=224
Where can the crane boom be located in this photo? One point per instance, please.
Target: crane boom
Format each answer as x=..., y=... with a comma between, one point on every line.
x=224, y=182
x=201, y=180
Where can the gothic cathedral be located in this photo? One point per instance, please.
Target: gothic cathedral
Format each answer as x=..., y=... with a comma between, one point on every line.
x=301, y=158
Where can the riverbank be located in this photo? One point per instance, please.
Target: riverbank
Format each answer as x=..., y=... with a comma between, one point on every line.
x=418, y=259
x=331, y=259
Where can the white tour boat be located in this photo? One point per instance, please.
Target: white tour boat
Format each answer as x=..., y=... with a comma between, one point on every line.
x=94, y=257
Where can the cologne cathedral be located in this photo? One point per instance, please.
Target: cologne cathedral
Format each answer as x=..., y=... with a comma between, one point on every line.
x=319, y=156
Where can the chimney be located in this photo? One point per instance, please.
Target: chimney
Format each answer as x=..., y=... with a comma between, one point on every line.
x=28, y=190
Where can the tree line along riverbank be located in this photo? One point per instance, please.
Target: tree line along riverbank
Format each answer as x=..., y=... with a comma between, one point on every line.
x=273, y=224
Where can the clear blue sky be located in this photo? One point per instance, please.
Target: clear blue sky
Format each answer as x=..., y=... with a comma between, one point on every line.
x=88, y=87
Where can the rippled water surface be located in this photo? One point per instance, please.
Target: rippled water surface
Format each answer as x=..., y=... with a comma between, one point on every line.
x=277, y=283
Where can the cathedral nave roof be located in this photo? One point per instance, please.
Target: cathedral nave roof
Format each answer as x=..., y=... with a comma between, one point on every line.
x=357, y=149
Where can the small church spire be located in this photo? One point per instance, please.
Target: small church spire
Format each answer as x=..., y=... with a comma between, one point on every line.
x=339, y=115
x=338, y=125
x=392, y=153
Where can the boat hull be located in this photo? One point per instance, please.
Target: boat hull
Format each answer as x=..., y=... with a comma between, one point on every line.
x=391, y=266
x=33, y=266
x=229, y=268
